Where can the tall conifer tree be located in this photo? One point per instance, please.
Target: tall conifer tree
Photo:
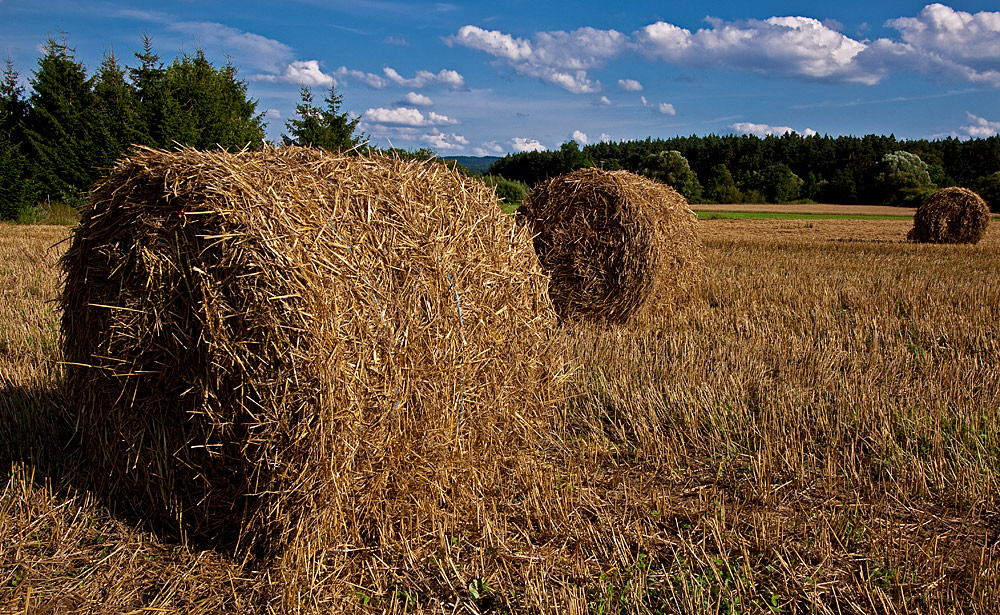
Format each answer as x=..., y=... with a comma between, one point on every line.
x=59, y=126
x=326, y=127
x=17, y=190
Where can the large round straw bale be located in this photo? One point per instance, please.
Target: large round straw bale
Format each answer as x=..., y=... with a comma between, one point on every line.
x=951, y=215
x=616, y=245
x=259, y=339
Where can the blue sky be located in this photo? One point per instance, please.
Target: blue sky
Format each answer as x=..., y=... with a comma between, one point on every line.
x=489, y=78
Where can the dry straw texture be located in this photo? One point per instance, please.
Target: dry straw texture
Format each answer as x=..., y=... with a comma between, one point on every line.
x=617, y=246
x=308, y=359
x=951, y=215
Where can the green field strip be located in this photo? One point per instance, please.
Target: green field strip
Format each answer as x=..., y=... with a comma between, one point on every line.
x=761, y=215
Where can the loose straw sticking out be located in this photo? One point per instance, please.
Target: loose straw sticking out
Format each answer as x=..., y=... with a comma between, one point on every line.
x=267, y=352
x=951, y=215
x=616, y=245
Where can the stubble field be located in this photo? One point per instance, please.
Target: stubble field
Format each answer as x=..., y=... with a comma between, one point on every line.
x=817, y=431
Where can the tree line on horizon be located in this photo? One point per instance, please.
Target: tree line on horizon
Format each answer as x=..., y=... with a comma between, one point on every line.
x=782, y=169
x=57, y=141
x=62, y=137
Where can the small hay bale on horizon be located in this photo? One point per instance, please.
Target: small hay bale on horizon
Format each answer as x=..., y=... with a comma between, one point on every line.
x=950, y=215
x=617, y=246
x=284, y=352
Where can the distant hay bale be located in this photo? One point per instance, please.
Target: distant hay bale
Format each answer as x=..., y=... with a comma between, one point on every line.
x=951, y=215
x=617, y=246
x=288, y=347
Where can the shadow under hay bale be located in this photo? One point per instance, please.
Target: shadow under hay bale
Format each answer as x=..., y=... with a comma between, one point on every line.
x=616, y=245
x=950, y=215
x=300, y=356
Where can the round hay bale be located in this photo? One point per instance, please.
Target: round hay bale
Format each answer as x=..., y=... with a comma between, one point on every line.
x=290, y=347
x=950, y=215
x=616, y=245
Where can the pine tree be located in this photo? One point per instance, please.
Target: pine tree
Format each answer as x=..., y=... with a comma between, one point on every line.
x=59, y=127
x=326, y=127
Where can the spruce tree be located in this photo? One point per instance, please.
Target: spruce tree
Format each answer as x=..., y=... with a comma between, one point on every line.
x=216, y=110
x=17, y=191
x=156, y=112
x=117, y=115
x=326, y=127
x=60, y=126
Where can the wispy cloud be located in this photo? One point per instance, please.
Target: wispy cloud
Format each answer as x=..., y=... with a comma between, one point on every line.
x=488, y=148
x=449, y=79
x=246, y=48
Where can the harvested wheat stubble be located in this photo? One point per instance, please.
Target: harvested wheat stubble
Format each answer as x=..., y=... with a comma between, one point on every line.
x=951, y=215
x=616, y=245
x=303, y=357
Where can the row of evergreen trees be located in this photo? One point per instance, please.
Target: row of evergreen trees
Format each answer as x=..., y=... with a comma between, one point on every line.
x=734, y=169
x=72, y=127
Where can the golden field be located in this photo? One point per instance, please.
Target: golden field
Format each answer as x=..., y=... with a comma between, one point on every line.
x=818, y=430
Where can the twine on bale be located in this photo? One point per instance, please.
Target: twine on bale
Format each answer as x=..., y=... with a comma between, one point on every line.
x=951, y=215
x=616, y=245
x=246, y=376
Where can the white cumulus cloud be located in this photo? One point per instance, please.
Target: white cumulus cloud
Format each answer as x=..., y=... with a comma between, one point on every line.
x=302, y=72
x=417, y=100
x=580, y=137
x=493, y=42
x=661, y=108
x=404, y=116
x=524, y=144
x=629, y=85
x=604, y=101
x=763, y=130
x=980, y=127
x=940, y=42
x=786, y=46
x=558, y=57
x=442, y=141
x=943, y=42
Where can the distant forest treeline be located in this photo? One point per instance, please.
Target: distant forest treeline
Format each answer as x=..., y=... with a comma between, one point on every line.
x=734, y=169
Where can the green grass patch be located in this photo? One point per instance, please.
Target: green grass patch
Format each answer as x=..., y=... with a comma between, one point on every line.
x=762, y=215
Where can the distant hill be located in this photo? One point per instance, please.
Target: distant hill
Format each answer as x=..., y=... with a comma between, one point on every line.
x=476, y=164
